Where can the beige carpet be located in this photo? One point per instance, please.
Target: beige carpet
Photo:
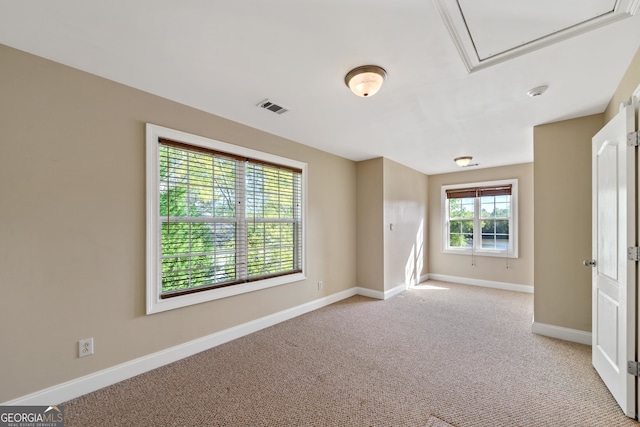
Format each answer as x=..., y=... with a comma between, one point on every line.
x=437, y=422
x=461, y=355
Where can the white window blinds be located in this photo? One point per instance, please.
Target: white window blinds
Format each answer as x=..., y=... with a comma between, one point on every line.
x=225, y=219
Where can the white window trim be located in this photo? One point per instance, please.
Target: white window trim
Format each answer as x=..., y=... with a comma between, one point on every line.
x=513, y=221
x=154, y=303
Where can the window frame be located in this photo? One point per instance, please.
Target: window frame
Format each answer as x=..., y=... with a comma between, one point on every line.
x=154, y=301
x=476, y=249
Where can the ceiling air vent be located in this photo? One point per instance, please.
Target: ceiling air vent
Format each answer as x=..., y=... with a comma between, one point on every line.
x=272, y=106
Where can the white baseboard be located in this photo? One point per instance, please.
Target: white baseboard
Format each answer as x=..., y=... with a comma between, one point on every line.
x=370, y=293
x=395, y=291
x=573, y=335
x=484, y=283
x=92, y=382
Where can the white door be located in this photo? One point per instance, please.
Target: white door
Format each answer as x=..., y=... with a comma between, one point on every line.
x=614, y=276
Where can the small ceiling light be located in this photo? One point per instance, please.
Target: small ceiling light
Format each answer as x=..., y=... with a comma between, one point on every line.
x=537, y=91
x=365, y=81
x=463, y=161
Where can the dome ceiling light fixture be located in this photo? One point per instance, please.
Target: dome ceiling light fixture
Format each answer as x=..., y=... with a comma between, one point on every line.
x=366, y=80
x=463, y=161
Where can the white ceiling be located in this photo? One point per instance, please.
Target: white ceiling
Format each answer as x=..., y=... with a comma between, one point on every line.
x=224, y=57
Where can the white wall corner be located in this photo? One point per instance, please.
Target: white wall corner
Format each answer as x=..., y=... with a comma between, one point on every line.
x=567, y=334
x=395, y=291
x=370, y=293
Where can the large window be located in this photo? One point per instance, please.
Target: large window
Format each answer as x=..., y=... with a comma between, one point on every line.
x=480, y=218
x=222, y=219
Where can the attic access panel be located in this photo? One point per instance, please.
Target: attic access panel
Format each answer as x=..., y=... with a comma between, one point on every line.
x=490, y=31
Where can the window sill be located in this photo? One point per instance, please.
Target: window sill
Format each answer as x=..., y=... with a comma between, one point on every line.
x=157, y=305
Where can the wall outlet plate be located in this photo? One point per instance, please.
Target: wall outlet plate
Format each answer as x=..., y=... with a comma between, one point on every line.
x=85, y=347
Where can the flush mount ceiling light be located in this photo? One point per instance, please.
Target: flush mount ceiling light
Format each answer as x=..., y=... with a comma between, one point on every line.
x=365, y=81
x=463, y=161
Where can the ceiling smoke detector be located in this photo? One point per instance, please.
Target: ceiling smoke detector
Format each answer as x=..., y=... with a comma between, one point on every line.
x=537, y=91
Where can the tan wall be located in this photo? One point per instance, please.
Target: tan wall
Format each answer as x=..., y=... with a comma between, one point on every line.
x=627, y=86
x=563, y=285
x=370, y=233
x=562, y=181
x=72, y=225
x=405, y=206
x=520, y=271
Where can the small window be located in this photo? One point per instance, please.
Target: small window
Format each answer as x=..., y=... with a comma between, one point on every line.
x=222, y=219
x=480, y=218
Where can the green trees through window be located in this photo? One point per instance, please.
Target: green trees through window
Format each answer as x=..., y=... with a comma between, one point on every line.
x=479, y=217
x=461, y=214
x=225, y=220
x=495, y=215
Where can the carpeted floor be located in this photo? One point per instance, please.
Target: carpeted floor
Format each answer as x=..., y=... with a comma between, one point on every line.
x=436, y=355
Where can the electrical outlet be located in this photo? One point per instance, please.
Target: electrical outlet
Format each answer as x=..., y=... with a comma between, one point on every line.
x=85, y=347
x=320, y=285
